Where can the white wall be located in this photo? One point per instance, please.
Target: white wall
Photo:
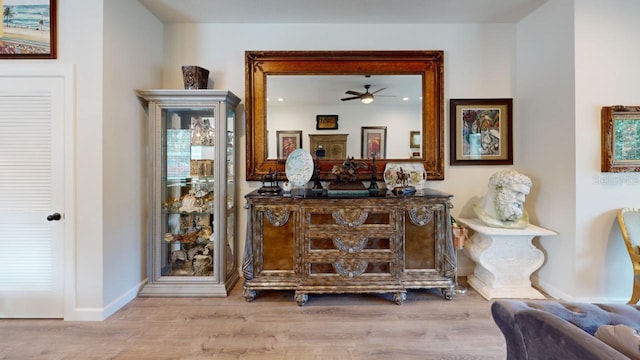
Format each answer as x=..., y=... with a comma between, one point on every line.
x=479, y=63
x=574, y=58
x=132, y=60
x=83, y=49
x=607, y=73
x=115, y=50
x=546, y=135
x=80, y=43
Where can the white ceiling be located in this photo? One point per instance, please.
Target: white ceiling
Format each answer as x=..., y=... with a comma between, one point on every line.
x=342, y=11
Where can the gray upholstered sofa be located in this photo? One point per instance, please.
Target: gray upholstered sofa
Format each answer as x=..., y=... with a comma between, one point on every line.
x=544, y=329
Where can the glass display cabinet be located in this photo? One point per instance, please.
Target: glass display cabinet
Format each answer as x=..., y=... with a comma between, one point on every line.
x=192, y=243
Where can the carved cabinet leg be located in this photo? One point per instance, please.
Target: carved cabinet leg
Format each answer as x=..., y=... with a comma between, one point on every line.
x=399, y=297
x=249, y=295
x=449, y=292
x=301, y=298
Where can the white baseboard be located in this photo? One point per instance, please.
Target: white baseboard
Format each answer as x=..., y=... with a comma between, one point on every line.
x=100, y=314
x=558, y=294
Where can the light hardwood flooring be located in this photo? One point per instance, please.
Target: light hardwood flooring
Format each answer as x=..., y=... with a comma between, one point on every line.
x=346, y=326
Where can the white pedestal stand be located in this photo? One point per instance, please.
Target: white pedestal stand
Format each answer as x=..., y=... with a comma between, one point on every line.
x=505, y=259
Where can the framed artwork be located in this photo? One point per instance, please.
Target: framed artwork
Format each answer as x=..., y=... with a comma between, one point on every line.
x=414, y=139
x=288, y=140
x=620, y=139
x=374, y=140
x=481, y=131
x=28, y=29
x=326, y=122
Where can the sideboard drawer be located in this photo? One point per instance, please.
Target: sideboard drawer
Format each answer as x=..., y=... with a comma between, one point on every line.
x=348, y=243
x=349, y=270
x=341, y=218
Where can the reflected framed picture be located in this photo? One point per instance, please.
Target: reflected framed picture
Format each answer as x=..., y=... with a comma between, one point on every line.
x=414, y=140
x=326, y=122
x=620, y=148
x=288, y=140
x=374, y=141
x=28, y=29
x=481, y=132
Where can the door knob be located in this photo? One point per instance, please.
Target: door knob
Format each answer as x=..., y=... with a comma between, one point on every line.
x=54, y=217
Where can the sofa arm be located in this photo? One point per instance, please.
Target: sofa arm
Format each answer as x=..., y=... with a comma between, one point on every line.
x=503, y=312
x=585, y=317
x=548, y=337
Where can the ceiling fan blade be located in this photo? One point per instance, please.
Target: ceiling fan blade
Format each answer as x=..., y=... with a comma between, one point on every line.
x=385, y=96
x=350, y=98
x=377, y=91
x=351, y=92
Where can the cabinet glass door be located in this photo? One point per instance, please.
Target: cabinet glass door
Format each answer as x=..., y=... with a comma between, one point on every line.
x=188, y=184
x=231, y=193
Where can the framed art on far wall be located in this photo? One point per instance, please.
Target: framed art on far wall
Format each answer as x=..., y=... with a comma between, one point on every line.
x=620, y=147
x=414, y=139
x=28, y=29
x=326, y=122
x=288, y=140
x=481, y=132
x=374, y=141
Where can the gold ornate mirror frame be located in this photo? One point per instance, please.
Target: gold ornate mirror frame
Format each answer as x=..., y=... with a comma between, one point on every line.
x=428, y=64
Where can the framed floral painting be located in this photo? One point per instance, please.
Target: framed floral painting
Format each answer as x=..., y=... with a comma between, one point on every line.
x=288, y=141
x=374, y=141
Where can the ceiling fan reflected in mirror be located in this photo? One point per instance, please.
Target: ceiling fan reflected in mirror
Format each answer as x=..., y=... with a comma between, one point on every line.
x=366, y=97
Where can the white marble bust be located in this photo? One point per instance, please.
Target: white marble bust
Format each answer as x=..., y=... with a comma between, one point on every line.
x=503, y=205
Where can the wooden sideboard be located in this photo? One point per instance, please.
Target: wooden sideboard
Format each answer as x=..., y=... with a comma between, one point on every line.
x=383, y=243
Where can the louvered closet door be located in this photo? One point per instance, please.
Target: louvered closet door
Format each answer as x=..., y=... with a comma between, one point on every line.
x=31, y=188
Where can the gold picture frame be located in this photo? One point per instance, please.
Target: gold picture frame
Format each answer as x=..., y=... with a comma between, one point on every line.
x=620, y=148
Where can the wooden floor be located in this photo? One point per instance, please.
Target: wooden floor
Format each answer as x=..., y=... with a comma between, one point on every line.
x=271, y=327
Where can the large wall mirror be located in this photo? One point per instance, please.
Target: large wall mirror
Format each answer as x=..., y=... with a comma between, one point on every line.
x=298, y=95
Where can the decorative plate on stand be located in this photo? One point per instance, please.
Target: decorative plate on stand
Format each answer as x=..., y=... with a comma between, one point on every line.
x=414, y=170
x=299, y=167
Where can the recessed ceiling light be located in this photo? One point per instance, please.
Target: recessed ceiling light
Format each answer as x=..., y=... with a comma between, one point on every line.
x=280, y=99
x=405, y=99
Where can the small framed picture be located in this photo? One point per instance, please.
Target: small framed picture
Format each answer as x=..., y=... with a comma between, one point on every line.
x=481, y=132
x=620, y=139
x=414, y=140
x=374, y=141
x=326, y=122
x=288, y=140
x=28, y=29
